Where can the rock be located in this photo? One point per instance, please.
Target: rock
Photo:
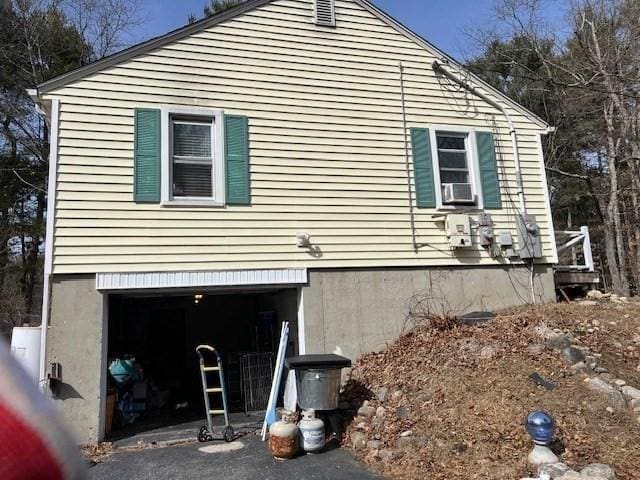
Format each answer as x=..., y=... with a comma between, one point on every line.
x=588, y=303
x=366, y=411
x=559, y=342
x=488, y=352
x=543, y=382
x=423, y=397
x=406, y=442
x=600, y=370
x=402, y=412
x=374, y=444
x=571, y=475
x=543, y=331
x=397, y=395
x=380, y=412
x=358, y=440
x=377, y=421
x=572, y=355
x=599, y=470
x=407, y=433
x=382, y=394
x=361, y=426
x=535, y=348
x=581, y=367
x=554, y=470
x=615, y=398
x=385, y=454
x=630, y=393
x=541, y=455
x=610, y=410
x=595, y=295
x=607, y=377
x=618, y=382
x=635, y=403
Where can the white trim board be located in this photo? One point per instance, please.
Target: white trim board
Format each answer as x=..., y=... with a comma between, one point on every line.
x=49, y=233
x=547, y=200
x=218, y=278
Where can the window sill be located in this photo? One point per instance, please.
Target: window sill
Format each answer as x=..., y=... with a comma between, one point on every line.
x=465, y=208
x=191, y=204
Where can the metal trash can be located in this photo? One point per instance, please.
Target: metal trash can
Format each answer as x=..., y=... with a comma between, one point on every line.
x=318, y=380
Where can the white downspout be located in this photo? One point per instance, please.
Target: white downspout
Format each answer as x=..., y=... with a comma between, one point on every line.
x=439, y=68
x=48, y=252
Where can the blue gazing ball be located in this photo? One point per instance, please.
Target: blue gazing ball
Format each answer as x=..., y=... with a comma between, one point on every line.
x=541, y=427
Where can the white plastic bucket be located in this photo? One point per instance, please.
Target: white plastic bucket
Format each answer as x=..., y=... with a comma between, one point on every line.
x=25, y=347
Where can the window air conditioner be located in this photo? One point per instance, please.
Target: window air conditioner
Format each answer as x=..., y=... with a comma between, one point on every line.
x=458, y=193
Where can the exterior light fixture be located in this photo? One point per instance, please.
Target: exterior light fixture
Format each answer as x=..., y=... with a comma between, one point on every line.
x=197, y=298
x=303, y=240
x=541, y=428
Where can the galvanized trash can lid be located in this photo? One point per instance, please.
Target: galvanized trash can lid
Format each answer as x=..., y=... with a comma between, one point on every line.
x=323, y=361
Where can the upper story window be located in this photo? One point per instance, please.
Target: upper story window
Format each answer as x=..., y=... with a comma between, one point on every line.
x=192, y=157
x=454, y=157
x=193, y=167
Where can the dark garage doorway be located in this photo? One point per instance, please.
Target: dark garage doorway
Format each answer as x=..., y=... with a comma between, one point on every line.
x=161, y=332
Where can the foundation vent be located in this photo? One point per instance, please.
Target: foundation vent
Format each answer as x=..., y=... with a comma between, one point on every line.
x=325, y=13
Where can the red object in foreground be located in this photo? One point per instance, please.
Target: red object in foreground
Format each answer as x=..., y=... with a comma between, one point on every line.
x=23, y=454
x=34, y=442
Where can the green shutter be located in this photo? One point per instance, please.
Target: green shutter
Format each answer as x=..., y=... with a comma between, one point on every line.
x=236, y=133
x=488, y=170
x=423, y=168
x=146, y=171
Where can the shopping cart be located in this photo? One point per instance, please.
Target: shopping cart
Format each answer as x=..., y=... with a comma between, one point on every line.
x=205, y=434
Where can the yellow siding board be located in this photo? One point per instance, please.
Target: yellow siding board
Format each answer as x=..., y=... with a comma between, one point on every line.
x=327, y=150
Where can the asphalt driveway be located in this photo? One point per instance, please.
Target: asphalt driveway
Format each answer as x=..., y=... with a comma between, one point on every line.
x=247, y=458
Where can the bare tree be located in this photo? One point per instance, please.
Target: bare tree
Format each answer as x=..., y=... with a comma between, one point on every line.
x=589, y=84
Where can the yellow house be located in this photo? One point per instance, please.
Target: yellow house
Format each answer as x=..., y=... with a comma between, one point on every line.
x=310, y=161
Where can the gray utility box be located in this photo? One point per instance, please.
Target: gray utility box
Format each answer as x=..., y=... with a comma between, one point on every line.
x=529, y=241
x=318, y=379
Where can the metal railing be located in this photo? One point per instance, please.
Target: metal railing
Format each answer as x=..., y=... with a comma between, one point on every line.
x=575, y=251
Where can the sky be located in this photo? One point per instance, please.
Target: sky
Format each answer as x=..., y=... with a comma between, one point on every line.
x=444, y=23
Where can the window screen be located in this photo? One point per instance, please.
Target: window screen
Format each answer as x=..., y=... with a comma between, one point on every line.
x=453, y=158
x=192, y=160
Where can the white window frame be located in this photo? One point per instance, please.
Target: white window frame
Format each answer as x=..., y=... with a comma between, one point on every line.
x=217, y=152
x=472, y=162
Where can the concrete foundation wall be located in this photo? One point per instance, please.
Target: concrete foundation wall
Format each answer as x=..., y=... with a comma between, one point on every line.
x=352, y=312
x=77, y=340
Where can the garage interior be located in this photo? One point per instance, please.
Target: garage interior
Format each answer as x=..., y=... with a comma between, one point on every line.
x=161, y=332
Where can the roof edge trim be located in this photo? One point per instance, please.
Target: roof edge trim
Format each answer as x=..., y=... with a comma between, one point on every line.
x=146, y=46
x=195, y=27
x=397, y=25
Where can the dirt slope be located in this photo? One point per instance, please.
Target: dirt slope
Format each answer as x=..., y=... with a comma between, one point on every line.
x=463, y=392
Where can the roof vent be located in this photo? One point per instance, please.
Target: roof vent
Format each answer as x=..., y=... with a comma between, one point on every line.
x=325, y=13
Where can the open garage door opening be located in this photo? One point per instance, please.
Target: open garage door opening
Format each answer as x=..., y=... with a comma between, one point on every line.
x=154, y=378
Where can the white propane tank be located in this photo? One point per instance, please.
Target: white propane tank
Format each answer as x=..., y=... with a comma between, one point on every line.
x=311, y=432
x=25, y=347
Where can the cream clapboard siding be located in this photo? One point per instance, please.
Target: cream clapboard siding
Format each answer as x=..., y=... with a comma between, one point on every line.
x=327, y=150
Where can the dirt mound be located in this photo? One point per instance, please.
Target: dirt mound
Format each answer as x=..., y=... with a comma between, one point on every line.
x=450, y=403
